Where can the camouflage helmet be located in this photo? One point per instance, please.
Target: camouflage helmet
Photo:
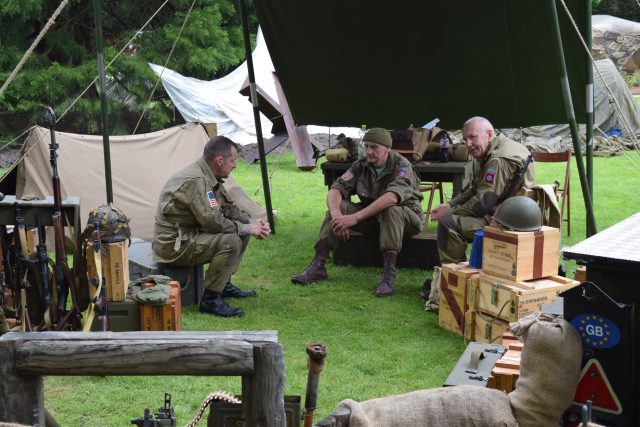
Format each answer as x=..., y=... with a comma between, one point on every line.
x=112, y=222
x=519, y=213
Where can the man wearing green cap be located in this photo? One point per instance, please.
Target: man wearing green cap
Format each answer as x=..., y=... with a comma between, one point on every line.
x=390, y=198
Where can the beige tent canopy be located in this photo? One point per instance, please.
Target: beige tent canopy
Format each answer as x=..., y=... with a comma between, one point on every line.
x=140, y=165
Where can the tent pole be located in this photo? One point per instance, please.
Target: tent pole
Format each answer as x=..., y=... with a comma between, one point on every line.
x=590, y=107
x=571, y=117
x=97, y=12
x=256, y=116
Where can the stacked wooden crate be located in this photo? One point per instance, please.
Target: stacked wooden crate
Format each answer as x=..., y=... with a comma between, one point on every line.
x=455, y=282
x=518, y=276
x=506, y=370
x=115, y=269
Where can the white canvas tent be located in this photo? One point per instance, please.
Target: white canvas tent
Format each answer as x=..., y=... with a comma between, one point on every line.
x=140, y=165
x=220, y=101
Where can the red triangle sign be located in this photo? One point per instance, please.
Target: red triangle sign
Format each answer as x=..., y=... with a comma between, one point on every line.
x=594, y=385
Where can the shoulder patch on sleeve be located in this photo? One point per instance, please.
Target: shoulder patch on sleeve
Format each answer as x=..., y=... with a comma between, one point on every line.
x=212, y=199
x=402, y=172
x=490, y=176
x=348, y=175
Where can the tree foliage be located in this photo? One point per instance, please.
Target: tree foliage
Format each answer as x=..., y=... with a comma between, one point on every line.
x=626, y=9
x=64, y=64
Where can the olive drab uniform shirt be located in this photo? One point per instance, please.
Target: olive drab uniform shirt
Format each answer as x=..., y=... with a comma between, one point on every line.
x=495, y=171
x=193, y=201
x=397, y=177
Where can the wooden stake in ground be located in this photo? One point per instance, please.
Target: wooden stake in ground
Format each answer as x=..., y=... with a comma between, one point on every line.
x=317, y=352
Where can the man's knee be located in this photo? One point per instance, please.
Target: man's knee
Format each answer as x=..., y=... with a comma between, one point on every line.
x=231, y=242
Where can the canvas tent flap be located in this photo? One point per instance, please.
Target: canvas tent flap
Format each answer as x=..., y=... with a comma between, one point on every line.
x=140, y=165
x=393, y=64
x=219, y=101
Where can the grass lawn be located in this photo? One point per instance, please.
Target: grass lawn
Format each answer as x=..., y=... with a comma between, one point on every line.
x=376, y=347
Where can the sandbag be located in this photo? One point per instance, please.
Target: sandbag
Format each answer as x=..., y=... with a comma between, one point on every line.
x=463, y=406
x=549, y=369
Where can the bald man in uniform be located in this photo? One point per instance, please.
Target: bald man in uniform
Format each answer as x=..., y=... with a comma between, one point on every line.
x=497, y=161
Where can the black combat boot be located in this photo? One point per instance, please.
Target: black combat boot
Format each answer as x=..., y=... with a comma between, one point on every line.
x=385, y=288
x=316, y=270
x=231, y=291
x=213, y=303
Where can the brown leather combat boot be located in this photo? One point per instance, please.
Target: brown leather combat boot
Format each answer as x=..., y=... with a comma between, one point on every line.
x=387, y=280
x=316, y=270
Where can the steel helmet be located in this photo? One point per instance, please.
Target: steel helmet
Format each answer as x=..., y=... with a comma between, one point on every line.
x=113, y=223
x=519, y=213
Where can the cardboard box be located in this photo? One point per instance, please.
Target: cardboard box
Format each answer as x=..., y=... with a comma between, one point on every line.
x=166, y=317
x=489, y=329
x=518, y=255
x=454, y=280
x=510, y=300
x=115, y=267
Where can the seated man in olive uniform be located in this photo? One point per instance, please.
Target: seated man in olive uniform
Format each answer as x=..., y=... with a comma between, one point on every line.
x=390, y=198
x=197, y=223
x=498, y=159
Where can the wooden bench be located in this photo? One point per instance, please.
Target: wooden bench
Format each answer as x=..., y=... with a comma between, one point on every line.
x=419, y=251
x=255, y=355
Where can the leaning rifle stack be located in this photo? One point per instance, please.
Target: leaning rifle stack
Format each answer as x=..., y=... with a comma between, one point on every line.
x=34, y=288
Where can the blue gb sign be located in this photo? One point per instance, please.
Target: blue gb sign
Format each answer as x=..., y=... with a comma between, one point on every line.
x=596, y=331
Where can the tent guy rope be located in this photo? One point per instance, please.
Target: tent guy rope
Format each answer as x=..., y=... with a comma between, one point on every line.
x=175, y=42
x=26, y=55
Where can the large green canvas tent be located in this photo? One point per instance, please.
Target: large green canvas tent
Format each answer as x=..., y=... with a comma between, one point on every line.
x=399, y=63
x=396, y=63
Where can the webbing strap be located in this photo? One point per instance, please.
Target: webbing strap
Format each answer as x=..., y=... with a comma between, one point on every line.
x=91, y=311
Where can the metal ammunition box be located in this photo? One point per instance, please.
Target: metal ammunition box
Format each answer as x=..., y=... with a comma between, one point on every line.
x=123, y=316
x=141, y=264
x=223, y=414
x=475, y=364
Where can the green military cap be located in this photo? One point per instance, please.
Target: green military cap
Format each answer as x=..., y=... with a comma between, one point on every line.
x=379, y=136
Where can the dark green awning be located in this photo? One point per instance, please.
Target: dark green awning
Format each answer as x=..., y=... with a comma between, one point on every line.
x=396, y=63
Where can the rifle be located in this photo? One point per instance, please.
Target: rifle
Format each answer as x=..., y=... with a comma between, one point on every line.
x=8, y=266
x=62, y=272
x=516, y=183
x=43, y=262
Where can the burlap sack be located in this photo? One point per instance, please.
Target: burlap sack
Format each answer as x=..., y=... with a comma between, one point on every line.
x=463, y=406
x=549, y=369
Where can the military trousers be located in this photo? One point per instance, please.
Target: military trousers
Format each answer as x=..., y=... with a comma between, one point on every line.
x=454, y=232
x=222, y=251
x=393, y=224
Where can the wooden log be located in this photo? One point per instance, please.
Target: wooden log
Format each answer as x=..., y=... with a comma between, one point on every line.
x=263, y=391
x=250, y=336
x=21, y=398
x=134, y=357
x=339, y=418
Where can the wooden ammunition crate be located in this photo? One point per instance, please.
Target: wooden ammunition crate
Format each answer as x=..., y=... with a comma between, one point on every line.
x=488, y=329
x=518, y=255
x=167, y=317
x=454, y=280
x=581, y=274
x=510, y=300
x=506, y=371
x=115, y=267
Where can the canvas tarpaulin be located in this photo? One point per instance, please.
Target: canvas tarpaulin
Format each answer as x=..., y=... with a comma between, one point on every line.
x=140, y=165
x=393, y=64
